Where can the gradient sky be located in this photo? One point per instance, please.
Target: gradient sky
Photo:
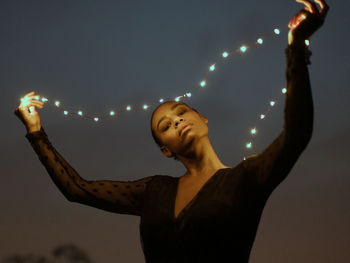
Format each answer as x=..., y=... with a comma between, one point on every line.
x=96, y=55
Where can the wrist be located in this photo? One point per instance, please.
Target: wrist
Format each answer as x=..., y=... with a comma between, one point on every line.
x=295, y=41
x=34, y=128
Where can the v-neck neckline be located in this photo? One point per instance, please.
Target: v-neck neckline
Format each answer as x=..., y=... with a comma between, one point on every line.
x=194, y=197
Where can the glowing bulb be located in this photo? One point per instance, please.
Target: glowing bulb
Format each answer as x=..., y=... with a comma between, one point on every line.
x=243, y=48
x=44, y=99
x=57, y=103
x=225, y=54
x=161, y=100
x=36, y=97
x=277, y=31
x=112, y=113
x=253, y=131
x=284, y=90
x=262, y=116
x=203, y=83
x=177, y=98
x=307, y=42
x=272, y=103
x=25, y=101
x=188, y=94
x=31, y=109
x=128, y=108
x=260, y=41
x=80, y=113
x=65, y=112
x=212, y=67
x=145, y=107
x=249, y=145
x=96, y=119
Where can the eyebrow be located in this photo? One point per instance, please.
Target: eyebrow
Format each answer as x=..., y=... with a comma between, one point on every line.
x=172, y=108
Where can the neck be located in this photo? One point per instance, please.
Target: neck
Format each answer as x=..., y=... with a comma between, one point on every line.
x=201, y=159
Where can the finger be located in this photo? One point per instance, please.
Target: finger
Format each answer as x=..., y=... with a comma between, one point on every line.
x=309, y=6
x=324, y=7
x=30, y=93
x=35, y=97
x=292, y=23
x=298, y=18
x=38, y=104
x=321, y=3
x=30, y=97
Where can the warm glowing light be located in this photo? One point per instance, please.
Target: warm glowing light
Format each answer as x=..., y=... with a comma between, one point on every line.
x=128, y=108
x=307, y=42
x=203, y=83
x=243, y=48
x=272, y=103
x=177, y=98
x=253, y=131
x=112, y=113
x=249, y=145
x=262, y=116
x=65, y=112
x=44, y=99
x=145, y=107
x=96, y=119
x=260, y=41
x=57, y=103
x=188, y=94
x=80, y=113
x=225, y=54
x=161, y=100
x=277, y=31
x=212, y=67
x=284, y=90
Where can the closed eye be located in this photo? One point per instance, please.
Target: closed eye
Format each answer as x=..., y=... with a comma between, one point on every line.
x=166, y=127
x=181, y=112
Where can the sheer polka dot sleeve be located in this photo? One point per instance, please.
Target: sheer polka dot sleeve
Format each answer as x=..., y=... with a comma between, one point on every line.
x=271, y=167
x=124, y=197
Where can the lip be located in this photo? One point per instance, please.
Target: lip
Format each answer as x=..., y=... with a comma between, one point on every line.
x=184, y=127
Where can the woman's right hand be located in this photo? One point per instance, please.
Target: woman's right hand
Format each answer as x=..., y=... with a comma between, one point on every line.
x=27, y=113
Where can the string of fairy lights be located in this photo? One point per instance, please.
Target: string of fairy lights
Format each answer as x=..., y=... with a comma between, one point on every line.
x=188, y=94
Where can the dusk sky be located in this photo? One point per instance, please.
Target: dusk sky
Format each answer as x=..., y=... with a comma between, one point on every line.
x=96, y=56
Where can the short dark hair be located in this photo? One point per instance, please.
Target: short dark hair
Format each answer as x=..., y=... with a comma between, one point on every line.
x=156, y=139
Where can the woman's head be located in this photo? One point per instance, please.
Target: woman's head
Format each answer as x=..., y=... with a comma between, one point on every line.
x=167, y=122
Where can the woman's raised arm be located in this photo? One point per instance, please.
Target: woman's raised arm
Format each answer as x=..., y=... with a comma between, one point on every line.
x=114, y=196
x=124, y=197
x=271, y=167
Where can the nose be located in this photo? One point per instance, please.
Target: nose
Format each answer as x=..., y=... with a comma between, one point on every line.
x=177, y=121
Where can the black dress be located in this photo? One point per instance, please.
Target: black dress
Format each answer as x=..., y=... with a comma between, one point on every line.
x=220, y=222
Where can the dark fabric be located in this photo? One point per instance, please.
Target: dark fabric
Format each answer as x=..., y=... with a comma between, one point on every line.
x=220, y=222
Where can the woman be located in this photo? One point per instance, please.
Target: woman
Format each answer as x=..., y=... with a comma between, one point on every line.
x=210, y=214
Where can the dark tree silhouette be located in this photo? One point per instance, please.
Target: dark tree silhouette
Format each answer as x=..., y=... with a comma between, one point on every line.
x=27, y=259
x=67, y=253
x=72, y=253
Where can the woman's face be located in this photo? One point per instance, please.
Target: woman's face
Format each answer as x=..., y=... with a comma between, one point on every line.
x=168, y=122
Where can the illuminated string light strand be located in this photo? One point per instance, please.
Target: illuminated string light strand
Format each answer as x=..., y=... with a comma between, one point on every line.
x=202, y=84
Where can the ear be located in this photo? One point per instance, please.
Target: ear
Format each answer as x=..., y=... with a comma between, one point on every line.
x=166, y=151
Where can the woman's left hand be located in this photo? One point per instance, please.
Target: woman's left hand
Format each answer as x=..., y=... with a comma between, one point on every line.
x=307, y=21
